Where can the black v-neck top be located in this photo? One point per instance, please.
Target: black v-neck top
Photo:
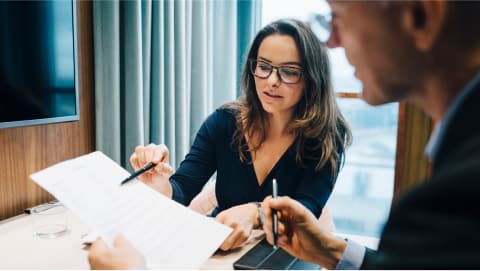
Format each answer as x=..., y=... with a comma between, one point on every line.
x=236, y=182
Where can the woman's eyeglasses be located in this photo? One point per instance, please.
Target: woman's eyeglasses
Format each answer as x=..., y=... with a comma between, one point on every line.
x=287, y=74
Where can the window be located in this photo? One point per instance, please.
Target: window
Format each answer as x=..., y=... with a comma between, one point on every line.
x=362, y=196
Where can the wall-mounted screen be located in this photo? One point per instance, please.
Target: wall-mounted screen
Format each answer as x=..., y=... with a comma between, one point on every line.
x=38, y=63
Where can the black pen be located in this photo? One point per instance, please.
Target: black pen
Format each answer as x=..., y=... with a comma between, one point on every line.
x=274, y=214
x=138, y=172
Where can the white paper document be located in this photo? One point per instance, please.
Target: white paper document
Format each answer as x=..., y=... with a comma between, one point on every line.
x=167, y=233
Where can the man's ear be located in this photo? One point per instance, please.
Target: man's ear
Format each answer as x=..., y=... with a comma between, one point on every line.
x=424, y=21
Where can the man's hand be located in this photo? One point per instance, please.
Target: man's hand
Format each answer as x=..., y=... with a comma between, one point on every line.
x=300, y=233
x=122, y=256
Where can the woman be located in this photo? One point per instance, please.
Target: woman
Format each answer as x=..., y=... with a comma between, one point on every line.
x=286, y=126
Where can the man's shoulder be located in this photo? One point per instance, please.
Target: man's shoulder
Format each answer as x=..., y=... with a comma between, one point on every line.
x=462, y=127
x=455, y=178
x=440, y=215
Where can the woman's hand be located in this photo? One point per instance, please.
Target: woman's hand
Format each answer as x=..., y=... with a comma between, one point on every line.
x=121, y=256
x=157, y=177
x=242, y=218
x=300, y=233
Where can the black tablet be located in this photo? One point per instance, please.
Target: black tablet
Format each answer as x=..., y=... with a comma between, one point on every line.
x=264, y=256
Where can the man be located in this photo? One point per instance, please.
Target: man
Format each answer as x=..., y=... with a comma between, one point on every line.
x=426, y=53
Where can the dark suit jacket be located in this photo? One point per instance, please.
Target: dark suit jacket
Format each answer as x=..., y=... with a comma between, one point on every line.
x=437, y=225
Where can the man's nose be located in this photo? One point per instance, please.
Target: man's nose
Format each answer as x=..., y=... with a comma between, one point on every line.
x=333, y=40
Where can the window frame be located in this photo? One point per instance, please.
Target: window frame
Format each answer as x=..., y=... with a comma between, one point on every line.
x=412, y=166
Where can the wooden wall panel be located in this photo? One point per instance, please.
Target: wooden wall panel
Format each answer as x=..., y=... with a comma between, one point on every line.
x=24, y=150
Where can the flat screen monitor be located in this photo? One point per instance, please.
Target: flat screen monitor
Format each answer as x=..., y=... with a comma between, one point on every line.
x=38, y=63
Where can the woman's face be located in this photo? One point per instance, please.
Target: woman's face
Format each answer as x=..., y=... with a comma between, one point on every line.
x=276, y=96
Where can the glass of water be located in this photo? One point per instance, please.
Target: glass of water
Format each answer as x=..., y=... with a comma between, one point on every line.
x=49, y=220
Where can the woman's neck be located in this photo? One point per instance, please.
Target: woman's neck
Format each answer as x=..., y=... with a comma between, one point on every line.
x=277, y=129
x=278, y=124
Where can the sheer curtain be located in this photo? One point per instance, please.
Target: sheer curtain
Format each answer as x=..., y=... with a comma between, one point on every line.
x=161, y=67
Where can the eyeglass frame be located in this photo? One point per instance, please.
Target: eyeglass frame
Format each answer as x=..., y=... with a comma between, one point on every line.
x=252, y=71
x=325, y=22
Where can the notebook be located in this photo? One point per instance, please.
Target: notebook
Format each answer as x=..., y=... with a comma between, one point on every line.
x=264, y=256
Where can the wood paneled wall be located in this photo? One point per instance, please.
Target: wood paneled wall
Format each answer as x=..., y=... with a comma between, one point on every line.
x=24, y=150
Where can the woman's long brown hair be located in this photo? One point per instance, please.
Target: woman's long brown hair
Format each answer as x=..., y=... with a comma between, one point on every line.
x=316, y=116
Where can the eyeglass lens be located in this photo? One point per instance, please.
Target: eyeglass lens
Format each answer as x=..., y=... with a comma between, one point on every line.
x=321, y=25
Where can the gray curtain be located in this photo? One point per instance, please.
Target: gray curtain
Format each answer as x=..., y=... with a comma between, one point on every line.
x=162, y=67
